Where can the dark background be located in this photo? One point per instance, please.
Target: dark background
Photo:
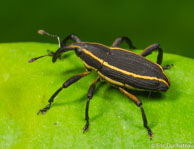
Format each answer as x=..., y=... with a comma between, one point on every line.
x=170, y=23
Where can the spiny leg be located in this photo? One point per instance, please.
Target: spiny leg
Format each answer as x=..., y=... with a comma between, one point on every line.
x=139, y=104
x=147, y=51
x=90, y=95
x=65, y=85
x=119, y=40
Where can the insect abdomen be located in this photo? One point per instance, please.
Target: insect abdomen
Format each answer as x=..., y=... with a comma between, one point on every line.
x=118, y=78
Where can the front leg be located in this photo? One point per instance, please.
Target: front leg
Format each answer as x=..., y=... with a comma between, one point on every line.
x=65, y=85
x=90, y=95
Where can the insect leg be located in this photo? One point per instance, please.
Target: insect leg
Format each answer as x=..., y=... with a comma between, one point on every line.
x=65, y=85
x=119, y=40
x=139, y=104
x=70, y=37
x=90, y=95
x=150, y=49
x=167, y=66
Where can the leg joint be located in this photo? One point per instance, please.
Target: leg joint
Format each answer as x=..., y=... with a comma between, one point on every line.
x=157, y=45
x=139, y=103
x=65, y=85
x=90, y=96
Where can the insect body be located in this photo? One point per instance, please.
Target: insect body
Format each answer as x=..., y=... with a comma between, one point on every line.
x=121, y=68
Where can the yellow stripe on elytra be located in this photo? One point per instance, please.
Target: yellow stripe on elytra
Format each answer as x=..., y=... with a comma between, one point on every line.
x=88, y=66
x=110, y=80
x=117, y=48
x=93, y=56
x=133, y=74
x=118, y=83
x=123, y=71
x=120, y=70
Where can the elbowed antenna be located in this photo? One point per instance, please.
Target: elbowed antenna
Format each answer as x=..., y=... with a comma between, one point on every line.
x=42, y=32
x=61, y=50
x=35, y=58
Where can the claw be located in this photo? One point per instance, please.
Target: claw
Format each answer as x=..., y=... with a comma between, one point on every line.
x=168, y=66
x=85, y=129
x=43, y=111
x=151, y=135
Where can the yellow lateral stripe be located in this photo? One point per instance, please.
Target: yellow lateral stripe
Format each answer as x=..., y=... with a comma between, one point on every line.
x=163, y=72
x=93, y=56
x=123, y=71
x=133, y=74
x=88, y=66
x=115, y=48
x=110, y=80
x=73, y=46
x=97, y=44
x=133, y=88
x=118, y=83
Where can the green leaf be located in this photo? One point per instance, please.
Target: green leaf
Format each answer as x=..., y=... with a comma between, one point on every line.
x=115, y=121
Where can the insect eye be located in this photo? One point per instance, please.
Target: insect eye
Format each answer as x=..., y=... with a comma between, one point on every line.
x=78, y=51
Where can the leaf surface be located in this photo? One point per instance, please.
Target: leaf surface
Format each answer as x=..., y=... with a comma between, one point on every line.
x=115, y=121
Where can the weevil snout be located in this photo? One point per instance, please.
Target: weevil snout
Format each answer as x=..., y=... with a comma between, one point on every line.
x=56, y=55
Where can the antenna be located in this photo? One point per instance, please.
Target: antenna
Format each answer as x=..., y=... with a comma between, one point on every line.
x=35, y=58
x=42, y=32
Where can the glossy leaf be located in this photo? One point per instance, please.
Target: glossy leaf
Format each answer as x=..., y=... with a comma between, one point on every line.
x=115, y=121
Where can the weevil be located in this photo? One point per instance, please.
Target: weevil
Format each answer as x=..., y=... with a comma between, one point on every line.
x=122, y=68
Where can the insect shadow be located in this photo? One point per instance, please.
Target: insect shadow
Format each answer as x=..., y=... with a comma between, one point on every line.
x=144, y=96
x=82, y=101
